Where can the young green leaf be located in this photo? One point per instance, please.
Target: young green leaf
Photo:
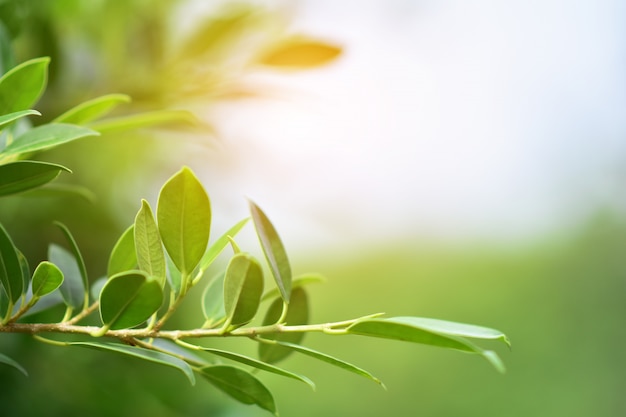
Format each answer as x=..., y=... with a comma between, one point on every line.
x=322, y=357
x=300, y=53
x=240, y=385
x=146, y=354
x=46, y=278
x=73, y=288
x=128, y=299
x=274, y=251
x=298, y=313
x=123, y=256
x=299, y=281
x=91, y=110
x=22, y=86
x=10, y=268
x=213, y=301
x=141, y=120
x=21, y=176
x=8, y=361
x=243, y=287
x=150, y=256
x=78, y=256
x=184, y=218
x=11, y=117
x=58, y=190
x=218, y=246
x=47, y=136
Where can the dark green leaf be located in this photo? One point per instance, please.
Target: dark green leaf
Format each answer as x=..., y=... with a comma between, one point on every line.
x=73, y=288
x=11, y=117
x=150, y=256
x=123, y=256
x=10, y=267
x=78, y=256
x=243, y=287
x=47, y=136
x=46, y=278
x=213, y=301
x=299, y=281
x=149, y=355
x=240, y=385
x=92, y=109
x=298, y=313
x=218, y=246
x=22, y=86
x=151, y=119
x=20, y=176
x=300, y=53
x=8, y=361
x=274, y=251
x=184, y=218
x=128, y=299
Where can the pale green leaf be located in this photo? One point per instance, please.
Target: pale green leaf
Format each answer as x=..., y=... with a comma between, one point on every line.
x=150, y=256
x=300, y=53
x=10, y=267
x=93, y=109
x=46, y=278
x=123, y=256
x=11, y=117
x=184, y=219
x=25, y=268
x=47, y=136
x=274, y=251
x=21, y=176
x=299, y=281
x=77, y=255
x=240, y=385
x=21, y=86
x=72, y=289
x=243, y=287
x=173, y=276
x=63, y=190
x=142, y=120
x=218, y=246
x=213, y=301
x=8, y=361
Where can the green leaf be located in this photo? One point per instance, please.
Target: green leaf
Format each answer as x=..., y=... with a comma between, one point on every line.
x=46, y=278
x=149, y=355
x=213, y=301
x=149, y=119
x=184, y=218
x=11, y=117
x=298, y=313
x=22, y=86
x=10, y=267
x=72, y=289
x=63, y=190
x=123, y=256
x=8, y=361
x=299, y=281
x=93, y=109
x=274, y=251
x=78, y=257
x=218, y=246
x=47, y=136
x=258, y=364
x=322, y=357
x=243, y=287
x=173, y=276
x=25, y=268
x=20, y=176
x=150, y=256
x=300, y=53
x=240, y=385
x=128, y=299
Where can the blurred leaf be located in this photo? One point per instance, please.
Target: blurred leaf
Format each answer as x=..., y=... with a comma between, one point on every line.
x=25, y=269
x=20, y=176
x=11, y=117
x=274, y=251
x=240, y=385
x=47, y=136
x=173, y=275
x=184, y=218
x=298, y=313
x=62, y=190
x=97, y=286
x=322, y=357
x=10, y=267
x=22, y=85
x=213, y=301
x=51, y=300
x=148, y=119
x=300, y=53
x=128, y=299
x=8, y=361
x=149, y=355
x=72, y=289
x=46, y=278
x=92, y=109
x=123, y=256
x=243, y=287
x=218, y=246
x=299, y=281
x=78, y=257
x=150, y=256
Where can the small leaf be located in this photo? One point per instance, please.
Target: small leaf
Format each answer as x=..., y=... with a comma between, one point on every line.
x=8, y=361
x=240, y=385
x=300, y=53
x=150, y=256
x=218, y=246
x=213, y=301
x=141, y=120
x=173, y=276
x=77, y=256
x=298, y=313
x=184, y=218
x=299, y=281
x=11, y=117
x=128, y=299
x=274, y=251
x=25, y=268
x=72, y=289
x=46, y=278
x=20, y=176
x=322, y=357
x=123, y=256
x=93, y=109
x=47, y=136
x=243, y=287
x=149, y=355
x=10, y=267
x=22, y=86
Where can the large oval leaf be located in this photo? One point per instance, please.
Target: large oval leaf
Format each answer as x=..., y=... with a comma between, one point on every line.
x=10, y=267
x=298, y=313
x=184, y=218
x=73, y=288
x=123, y=256
x=20, y=176
x=128, y=299
x=240, y=385
x=47, y=136
x=150, y=256
x=46, y=278
x=300, y=53
x=11, y=117
x=93, y=109
x=22, y=86
x=243, y=287
x=274, y=251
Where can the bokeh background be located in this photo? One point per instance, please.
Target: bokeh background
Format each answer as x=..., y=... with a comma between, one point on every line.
x=458, y=160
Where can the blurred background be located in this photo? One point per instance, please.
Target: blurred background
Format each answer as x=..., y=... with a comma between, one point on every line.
x=447, y=159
